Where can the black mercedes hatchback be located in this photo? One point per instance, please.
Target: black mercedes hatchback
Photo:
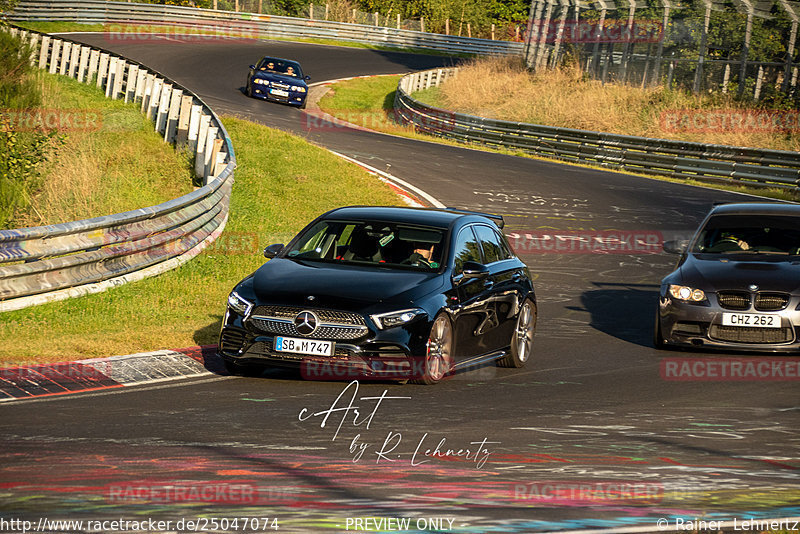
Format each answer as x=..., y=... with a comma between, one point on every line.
x=384, y=293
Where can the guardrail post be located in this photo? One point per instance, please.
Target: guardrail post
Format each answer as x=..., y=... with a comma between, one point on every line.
x=54, y=56
x=194, y=127
x=155, y=98
x=112, y=74
x=141, y=77
x=163, y=108
x=132, y=80
x=33, y=40
x=66, y=49
x=102, y=69
x=172, y=115
x=44, y=52
x=94, y=63
x=182, y=134
x=83, y=63
x=208, y=152
x=220, y=166
x=148, y=91
x=200, y=159
x=119, y=77
x=211, y=153
x=73, y=61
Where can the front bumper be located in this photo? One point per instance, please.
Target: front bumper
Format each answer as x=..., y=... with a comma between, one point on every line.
x=294, y=98
x=393, y=354
x=700, y=326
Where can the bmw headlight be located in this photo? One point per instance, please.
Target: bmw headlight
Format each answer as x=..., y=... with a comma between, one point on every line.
x=396, y=318
x=260, y=81
x=298, y=89
x=239, y=304
x=686, y=293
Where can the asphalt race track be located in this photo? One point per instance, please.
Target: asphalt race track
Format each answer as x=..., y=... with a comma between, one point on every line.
x=594, y=433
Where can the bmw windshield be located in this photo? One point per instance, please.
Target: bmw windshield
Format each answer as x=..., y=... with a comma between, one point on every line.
x=749, y=234
x=375, y=243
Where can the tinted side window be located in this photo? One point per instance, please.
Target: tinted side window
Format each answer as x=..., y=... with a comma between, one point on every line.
x=490, y=241
x=466, y=249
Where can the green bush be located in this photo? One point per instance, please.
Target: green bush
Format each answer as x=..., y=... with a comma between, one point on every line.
x=20, y=151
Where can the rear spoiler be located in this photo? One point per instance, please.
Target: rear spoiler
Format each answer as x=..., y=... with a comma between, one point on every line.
x=498, y=219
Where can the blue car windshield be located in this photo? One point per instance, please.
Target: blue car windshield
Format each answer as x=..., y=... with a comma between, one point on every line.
x=280, y=66
x=374, y=243
x=749, y=234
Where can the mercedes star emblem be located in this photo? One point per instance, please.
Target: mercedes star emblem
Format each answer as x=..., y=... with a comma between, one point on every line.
x=305, y=322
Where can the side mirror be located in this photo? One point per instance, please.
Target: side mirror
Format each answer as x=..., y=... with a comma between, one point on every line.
x=472, y=270
x=307, y=77
x=273, y=250
x=677, y=246
x=252, y=67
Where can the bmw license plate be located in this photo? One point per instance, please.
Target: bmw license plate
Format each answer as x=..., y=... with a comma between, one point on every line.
x=758, y=320
x=279, y=92
x=312, y=347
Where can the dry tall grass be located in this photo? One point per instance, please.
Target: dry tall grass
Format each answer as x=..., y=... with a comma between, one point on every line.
x=502, y=88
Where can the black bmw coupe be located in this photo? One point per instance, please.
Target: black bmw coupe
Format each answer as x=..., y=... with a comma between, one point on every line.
x=737, y=283
x=384, y=293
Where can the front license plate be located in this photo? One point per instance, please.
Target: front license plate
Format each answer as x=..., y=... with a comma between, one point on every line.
x=279, y=92
x=758, y=320
x=312, y=347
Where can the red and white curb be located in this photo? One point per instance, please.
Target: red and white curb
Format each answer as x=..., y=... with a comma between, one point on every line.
x=63, y=378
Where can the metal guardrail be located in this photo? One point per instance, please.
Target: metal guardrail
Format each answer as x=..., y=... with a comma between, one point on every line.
x=119, y=14
x=663, y=157
x=48, y=263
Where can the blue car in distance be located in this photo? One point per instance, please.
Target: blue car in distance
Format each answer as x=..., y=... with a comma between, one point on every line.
x=278, y=80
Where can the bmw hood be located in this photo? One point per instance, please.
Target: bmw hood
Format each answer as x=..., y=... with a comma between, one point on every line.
x=716, y=275
x=345, y=287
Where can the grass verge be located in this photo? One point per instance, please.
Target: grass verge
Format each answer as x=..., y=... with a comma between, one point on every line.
x=105, y=159
x=282, y=182
x=368, y=102
x=568, y=98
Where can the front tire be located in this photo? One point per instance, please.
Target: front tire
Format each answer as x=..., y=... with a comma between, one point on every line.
x=658, y=337
x=438, y=360
x=522, y=340
x=249, y=88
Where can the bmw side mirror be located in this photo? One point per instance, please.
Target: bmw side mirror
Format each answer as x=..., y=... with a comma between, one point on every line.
x=273, y=250
x=252, y=67
x=307, y=77
x=677, y=246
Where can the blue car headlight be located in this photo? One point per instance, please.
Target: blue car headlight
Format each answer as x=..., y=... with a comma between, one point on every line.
x=396, y=318
x=239, y=304
x=298, y=89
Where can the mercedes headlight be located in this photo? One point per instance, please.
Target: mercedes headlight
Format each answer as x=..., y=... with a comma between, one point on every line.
x=239, y=304
x=396, y=318
x=686, y=293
